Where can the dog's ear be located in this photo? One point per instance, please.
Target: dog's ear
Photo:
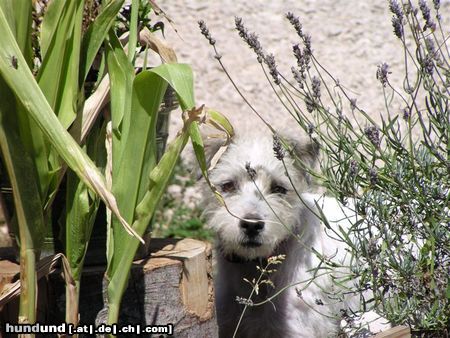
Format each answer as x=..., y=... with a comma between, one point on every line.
x=212, y=144
x=305, y=150
x=305, y=153
x=213, y=141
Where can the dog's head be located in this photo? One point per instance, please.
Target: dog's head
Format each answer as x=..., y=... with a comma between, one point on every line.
x=262, y=200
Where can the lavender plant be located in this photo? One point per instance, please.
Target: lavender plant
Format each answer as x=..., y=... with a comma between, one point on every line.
x=395, y=175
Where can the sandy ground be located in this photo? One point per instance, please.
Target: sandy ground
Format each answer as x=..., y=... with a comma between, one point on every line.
x=350, y=38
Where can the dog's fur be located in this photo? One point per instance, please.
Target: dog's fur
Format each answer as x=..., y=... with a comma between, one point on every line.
x=243, y=244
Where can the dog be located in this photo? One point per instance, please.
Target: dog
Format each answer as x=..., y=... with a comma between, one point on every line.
x=270, y=220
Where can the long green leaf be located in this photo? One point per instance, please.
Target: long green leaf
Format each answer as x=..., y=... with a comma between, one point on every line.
x=21, y=81
x=121, y=74
x=7, y=6
x=216, y=120
x=18, y=14
x=27, y=202
x=96, y=34
x=159, y=178
x=147, y=86
x=82, y=205
x=133, y=33
x=81, y=210
x=22, y=14
x=130, y=180
x=180, y=78
x=69, y=96
x=60, y=48
x=58, y=77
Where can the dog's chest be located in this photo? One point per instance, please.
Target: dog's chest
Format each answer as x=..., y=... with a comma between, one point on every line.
x=277, y=311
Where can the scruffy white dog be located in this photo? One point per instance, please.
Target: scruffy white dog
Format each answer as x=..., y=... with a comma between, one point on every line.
x=266, y=218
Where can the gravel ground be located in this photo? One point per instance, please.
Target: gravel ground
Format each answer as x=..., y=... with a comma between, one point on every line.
x=350, y=38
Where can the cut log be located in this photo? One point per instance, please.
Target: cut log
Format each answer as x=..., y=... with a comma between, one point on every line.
x=395, y=332
x=172, y=286
x=8, y=272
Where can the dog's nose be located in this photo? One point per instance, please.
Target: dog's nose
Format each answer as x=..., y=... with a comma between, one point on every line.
x=252, y=225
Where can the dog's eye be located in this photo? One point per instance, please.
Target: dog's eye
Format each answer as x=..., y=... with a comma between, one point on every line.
x=278, y=189
x=228, y=186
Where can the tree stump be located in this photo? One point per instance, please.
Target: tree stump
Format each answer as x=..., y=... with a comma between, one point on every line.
x=395, y=332
x=172, y=286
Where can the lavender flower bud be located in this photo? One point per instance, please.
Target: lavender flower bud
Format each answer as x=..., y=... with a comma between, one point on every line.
x=429, y=43
x=270, y=62
x=240, y=27
x=298, y=55
x=428, y=65
x=396, y=9
x=373, y=176
x=406, y=113
x=253, y=42
x=426, y=14
x=382, y=73
x=298, y=77
x=307, y=40
x=315, y=82
x=437, y=4
x=309, y=105
x=373, y=135
x=353, y=168
x=251, y=39
x=295, y=22
x=398, y=27
x=278, y=148
x=205, y=31
x=352, y=104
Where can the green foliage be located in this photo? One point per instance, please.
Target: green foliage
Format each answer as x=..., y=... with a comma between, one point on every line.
x=43, y=113
x=192, y=227
x=177, y=217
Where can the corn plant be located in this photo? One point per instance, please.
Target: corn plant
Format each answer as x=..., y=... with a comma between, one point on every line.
x=393, y=174
x=52, y=135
